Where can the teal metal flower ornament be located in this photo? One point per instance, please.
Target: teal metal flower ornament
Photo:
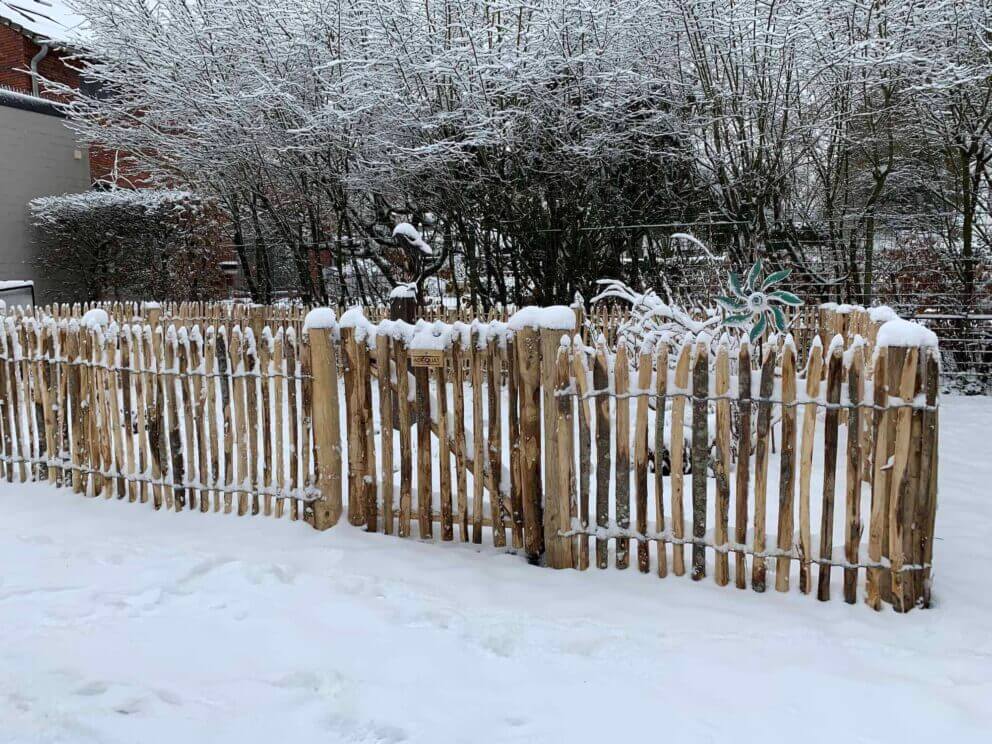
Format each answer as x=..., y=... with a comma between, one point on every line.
x=751, y=304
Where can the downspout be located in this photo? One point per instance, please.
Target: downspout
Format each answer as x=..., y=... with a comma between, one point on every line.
x=42, y=53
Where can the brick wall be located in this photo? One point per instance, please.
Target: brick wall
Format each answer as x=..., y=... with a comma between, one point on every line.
x=16, y=53
x=12, y=47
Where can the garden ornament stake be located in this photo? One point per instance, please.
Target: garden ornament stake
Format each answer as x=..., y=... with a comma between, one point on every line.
x=750, y=304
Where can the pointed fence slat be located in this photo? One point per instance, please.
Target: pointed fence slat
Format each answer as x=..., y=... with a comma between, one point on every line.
x=700, y=454
x=852, y=511
x=661, y=390
x=621, y=478
x=641, y=459
x=677, y=456
x=813, y=380
x=743, y=483
x=787, y=468
x=758, y=564
x=722, y=464
x=835, y=370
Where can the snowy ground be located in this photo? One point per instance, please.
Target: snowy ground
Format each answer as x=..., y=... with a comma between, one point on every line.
x=120, y=624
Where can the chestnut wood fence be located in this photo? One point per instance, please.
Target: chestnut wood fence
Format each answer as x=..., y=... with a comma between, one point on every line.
x=808, y=464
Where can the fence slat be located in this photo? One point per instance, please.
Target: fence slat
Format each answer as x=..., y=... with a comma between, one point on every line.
x=700, y=454
x=478, y=461
x=758, y=568
x=787, y=467
x=184, y=388
x=213, y=460
x=278, y=364
x=813, y=379
x=424, y=462
x=879, y=493
x=903, y=368
x=239, y=420
x=676, y=456
x=661, y=391
x=559, y=510
x=461, y=465
x=621, y=477
x=384, y=354
x=928, y=480
x=743, y=485
x=370, y=475
x=77, y=424
x=580, y=370
x=129, y=409
x=293, y=419
x=328, y=507
x=831, y=420
x=494, y=437
x=722, y=464
x=513, y=439
x=529, y=358
x=268, y=385
x=443, y=446
x=601, y=383
x=306, y=420
x=406, y=450
x=227, y=410
x=855, y=391
x=641, y=458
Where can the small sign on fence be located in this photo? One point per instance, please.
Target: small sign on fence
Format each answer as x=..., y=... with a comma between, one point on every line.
x=426, y=357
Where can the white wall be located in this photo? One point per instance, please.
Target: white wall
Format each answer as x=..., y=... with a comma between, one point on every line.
x=38, y=157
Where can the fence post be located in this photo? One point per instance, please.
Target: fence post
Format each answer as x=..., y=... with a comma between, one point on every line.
x=326, y=429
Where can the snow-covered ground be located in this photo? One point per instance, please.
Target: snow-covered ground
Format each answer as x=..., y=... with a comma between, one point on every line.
x=120, y=624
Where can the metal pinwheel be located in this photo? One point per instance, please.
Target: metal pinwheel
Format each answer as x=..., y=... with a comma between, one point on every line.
x=751, y=303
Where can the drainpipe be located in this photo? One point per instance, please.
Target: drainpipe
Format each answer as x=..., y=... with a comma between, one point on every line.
x=42, y=53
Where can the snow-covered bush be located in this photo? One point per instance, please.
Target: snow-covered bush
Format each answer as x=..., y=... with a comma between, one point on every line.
x=124, y=243
x=650, y=317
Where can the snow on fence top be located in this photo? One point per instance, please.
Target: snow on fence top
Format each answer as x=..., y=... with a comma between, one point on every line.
x=882, y=313
x=320, y=317
x=95, y=318
x=899, y=332
x=554, y=318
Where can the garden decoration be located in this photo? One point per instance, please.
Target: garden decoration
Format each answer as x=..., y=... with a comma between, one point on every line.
x=751, y=304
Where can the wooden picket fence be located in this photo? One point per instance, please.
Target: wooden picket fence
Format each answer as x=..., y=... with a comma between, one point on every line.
x=534, y=439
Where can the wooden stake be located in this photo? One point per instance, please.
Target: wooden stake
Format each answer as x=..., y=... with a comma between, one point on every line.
x=761, y=467
x=461, y=467
x=621, y=493
x=558, y=515
x=676, y=456
x=879, y=492
x=834, y=374
x=743, y=485
x=601, y=384
x=661, y=389
x=406, y=449
x=787, y=465
x=900, y=512
x=384, y=354
x=529, y=359
x=855, y=388
x=723, y=463
x=700, y=455
x=444, y=451
x=814, y=376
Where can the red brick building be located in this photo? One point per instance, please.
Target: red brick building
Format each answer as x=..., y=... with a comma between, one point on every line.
x=39, y=35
